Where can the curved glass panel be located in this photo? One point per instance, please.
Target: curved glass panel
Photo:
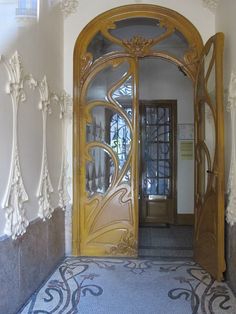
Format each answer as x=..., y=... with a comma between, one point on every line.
x=123, y=94
x=175, y=44
x=95, y=131
x=127, y=176
x=202, y=171
x=144, y=27
x=120, y=138
x=137, y=31
x=99, y=46
x=99, y=172
x=210, y=136
x=209, y=71
x=106, y=79
x=110, y=128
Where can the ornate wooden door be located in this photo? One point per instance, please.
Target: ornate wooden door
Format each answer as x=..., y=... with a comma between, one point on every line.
x=108, y=159
x=105, y=147
x=209, y=126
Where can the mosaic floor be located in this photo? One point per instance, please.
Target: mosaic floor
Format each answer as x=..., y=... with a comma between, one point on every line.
x=131, y=286
x=171, y=241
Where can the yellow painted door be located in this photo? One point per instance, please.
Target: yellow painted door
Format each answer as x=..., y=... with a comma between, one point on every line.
x=209, y=176
x=108, y=172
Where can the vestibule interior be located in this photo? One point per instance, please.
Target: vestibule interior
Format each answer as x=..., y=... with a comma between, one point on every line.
x=167, y=160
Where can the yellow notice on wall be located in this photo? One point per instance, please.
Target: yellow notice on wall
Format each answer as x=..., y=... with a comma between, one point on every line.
x=186, y=150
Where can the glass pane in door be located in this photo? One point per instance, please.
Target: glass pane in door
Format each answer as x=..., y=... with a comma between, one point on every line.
x=156, y=144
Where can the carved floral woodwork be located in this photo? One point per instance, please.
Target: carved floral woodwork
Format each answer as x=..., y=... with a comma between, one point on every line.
x=107, y=223
x=86, y=61
x=45, y=186
x=138, y=45
x=231, y=189
x=15, y=194
x=191, y=58
x=126, y=247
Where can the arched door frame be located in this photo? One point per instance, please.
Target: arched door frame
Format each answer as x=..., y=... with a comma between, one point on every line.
x=83, y=62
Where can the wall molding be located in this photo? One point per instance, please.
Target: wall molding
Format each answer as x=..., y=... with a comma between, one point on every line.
x=15, y=194
x=65, y=103
x=69, y=7
x=45, y=186
x=231, y=188
x=211, y=4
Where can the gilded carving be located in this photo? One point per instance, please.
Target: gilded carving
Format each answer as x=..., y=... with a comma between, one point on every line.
x=86, y=61
x=138, y=45
x=164, y=23
x=191, y=59
x=127, y=245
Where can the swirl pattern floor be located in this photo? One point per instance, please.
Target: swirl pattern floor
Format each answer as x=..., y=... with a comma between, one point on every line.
x=131, y=286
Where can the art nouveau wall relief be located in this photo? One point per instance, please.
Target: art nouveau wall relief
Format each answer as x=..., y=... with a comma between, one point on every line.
x=17, y=190
x=65, y=103
x=16, y=195
x=67, y=6
x=70, y=6
x=211, y=4
x=45, y=186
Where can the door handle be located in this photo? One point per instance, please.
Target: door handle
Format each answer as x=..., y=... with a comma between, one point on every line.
x=215, y=173
x=210, y=172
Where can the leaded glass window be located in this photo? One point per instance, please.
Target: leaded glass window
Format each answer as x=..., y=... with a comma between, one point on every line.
x=157, y=150
x=120, y=137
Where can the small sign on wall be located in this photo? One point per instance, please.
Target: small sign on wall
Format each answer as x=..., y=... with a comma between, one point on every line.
x=186, y=131
x=186, y=150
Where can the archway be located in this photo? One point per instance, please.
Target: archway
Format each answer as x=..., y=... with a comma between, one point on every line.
x=105, y=220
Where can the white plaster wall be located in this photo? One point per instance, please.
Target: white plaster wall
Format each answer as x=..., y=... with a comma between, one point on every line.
x=160, y=79
x=41, y=48
x=226, y=23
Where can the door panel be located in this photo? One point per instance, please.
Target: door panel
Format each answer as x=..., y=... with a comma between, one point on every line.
x=158, y=162
x=108, y=159
x=209, y=196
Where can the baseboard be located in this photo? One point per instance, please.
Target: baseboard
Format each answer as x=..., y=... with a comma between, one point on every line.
x=185, y=219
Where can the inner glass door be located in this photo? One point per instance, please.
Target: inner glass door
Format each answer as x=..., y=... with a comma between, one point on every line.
x=157, y=162
x=108, y=164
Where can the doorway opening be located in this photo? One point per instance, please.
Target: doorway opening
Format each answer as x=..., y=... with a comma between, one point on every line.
x=107, y=66
x=166, y=193
x=110, y=59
